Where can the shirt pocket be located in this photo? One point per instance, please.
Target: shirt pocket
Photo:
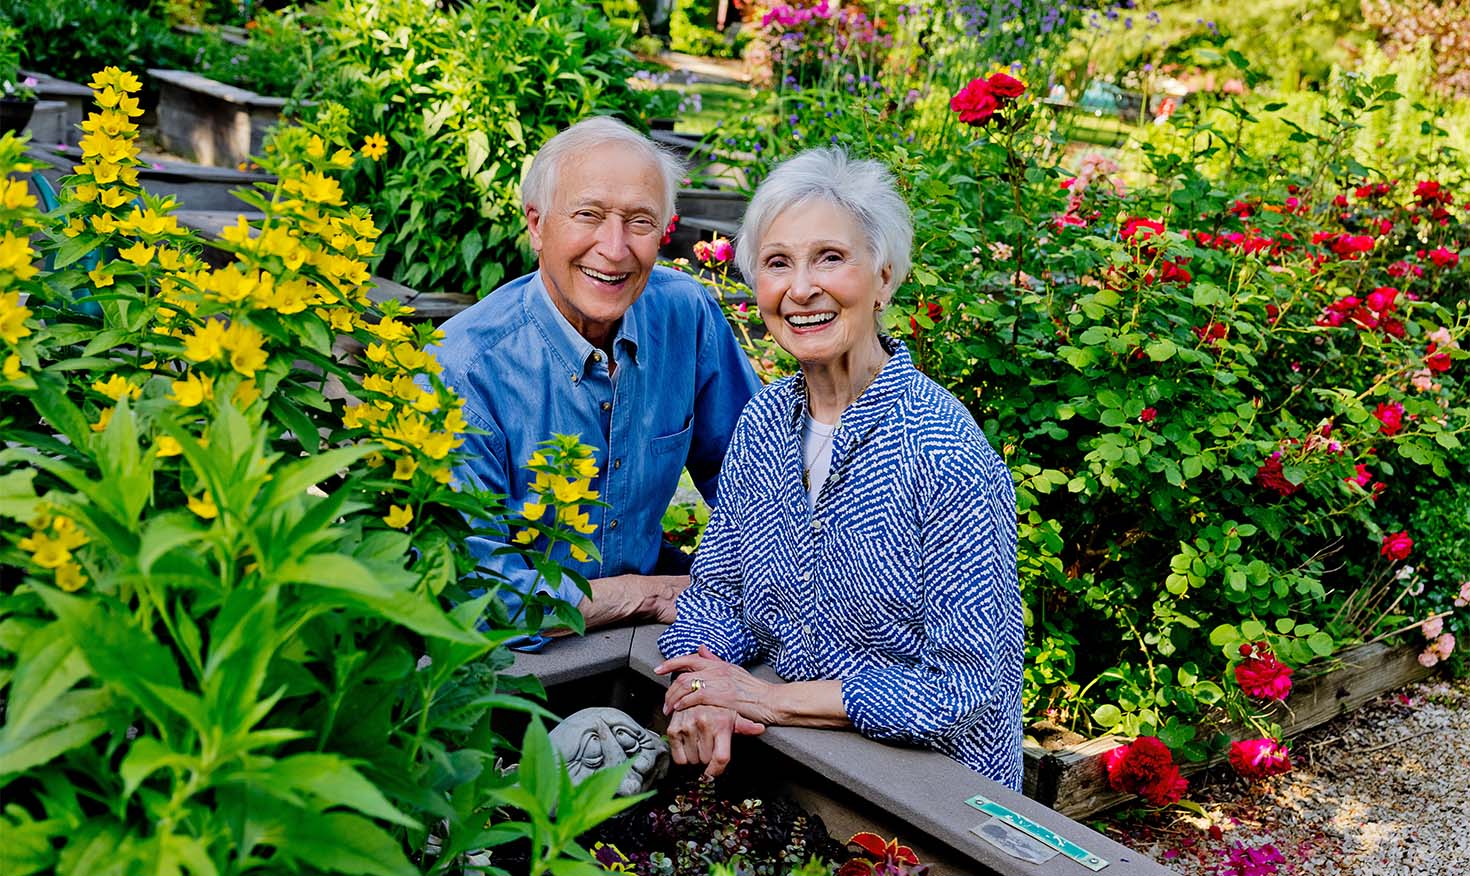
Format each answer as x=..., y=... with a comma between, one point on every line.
x=665, y=462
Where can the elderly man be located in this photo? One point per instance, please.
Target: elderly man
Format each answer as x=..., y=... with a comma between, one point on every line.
x=600, y=342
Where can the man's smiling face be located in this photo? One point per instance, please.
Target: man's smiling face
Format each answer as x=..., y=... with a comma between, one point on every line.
x=597, y=241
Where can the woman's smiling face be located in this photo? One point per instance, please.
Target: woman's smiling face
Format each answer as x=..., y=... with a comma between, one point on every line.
x=816, y=284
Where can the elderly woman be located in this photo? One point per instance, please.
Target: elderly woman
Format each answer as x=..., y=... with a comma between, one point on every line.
x=865, y=540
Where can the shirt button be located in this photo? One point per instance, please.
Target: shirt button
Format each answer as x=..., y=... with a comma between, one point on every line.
x=806, y=628
x=607, y=406
x=816, y=526
x=617, y=463
x=597, y=356
x=807, y=575
x=574, y=378
x=612, y=524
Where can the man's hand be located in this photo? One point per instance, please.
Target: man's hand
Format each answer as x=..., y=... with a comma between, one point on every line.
x=709, y=681
x=702, y=735
x=638, y=598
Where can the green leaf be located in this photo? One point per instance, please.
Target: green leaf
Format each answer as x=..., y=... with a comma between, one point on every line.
x=1321, y=644
x=164, y=533
x=353, y=581
x=336, y=782
x=292, y=479
x=18, y=495
x=1161, y=350
x=47, y=666
x=1284, y=625
x=73, y=720
x=146, y=756
x=540, y=769
x=1223, y=635
x=1253, y=630
x=340, y=842
x=1108, y=715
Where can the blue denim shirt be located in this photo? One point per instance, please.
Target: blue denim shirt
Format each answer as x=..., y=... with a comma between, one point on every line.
x=901, y=581
x=680, y=383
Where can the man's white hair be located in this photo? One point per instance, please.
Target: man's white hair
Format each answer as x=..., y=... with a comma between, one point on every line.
x=863, y=188
x=577, y=144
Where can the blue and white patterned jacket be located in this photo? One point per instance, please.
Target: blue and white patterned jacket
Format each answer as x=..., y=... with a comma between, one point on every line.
x=901, y=581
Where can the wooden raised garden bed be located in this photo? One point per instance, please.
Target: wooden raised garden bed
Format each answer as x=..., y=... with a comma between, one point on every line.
x=1072, y=778
x=210, y=122
x=195, y=186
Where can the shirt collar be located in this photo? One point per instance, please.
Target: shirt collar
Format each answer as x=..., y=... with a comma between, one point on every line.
x=868, y=409
x=565, y=341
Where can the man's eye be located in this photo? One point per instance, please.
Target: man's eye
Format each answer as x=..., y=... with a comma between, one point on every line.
x=643, y=226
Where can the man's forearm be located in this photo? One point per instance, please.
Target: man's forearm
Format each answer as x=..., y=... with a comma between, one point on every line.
x=624, y=598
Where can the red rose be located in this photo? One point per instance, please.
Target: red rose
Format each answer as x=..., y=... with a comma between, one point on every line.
x=1262, y=676
x=1397, y=546
x=1006, y=88
x=933, y=310
x=1147, y=415
x=975, y=104
x=1390, y=417
x=1146, y=767
x=1148, y=228
x=1443, y=257
x=1437, y=361
x=1259, y=758
x=1381, y=300
x=1271, y=476
x=1362, y=478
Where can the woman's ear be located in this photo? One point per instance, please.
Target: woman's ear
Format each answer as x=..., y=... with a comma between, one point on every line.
x=885, y=295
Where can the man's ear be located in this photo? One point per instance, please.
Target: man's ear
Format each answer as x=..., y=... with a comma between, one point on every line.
x=533, y=225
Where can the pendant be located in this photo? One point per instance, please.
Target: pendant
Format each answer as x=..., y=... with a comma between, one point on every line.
x=806, y=479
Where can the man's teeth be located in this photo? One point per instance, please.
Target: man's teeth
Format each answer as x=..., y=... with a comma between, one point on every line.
x=606, y=278
x=806, y=319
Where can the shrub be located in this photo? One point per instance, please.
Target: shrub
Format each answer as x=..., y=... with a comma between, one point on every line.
x=465, y=97
x=222, y=642
x=277, y=59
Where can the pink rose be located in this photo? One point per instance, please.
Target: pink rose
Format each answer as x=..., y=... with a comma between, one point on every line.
x=721, y=250
x=1432, y=627
x=1146, y=767
x=1258, y=758
x=1147, y=415
x=1262, y=676
x=1444, y=646
x=1390, y=417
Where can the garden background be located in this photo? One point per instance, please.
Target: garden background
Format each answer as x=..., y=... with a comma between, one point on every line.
x=1198, y=269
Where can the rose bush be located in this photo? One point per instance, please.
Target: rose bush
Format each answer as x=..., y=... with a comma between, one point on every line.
x=1225, y=377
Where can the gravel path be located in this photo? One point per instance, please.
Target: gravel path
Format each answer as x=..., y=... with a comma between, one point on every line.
x=1381, y=792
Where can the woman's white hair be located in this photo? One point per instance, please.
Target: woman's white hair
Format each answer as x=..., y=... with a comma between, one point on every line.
x=577, y=144
x=863, y=188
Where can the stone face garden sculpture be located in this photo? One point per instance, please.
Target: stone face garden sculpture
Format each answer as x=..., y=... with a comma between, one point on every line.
x=597, y=738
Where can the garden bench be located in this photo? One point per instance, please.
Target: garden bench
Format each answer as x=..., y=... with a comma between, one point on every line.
x=210, y=121
x=851, y=782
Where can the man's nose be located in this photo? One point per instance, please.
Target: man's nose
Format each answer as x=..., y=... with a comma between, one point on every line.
x=612, y=237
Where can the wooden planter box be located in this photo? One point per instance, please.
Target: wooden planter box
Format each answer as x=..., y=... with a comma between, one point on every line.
x=210, y=122
x=1072, y=779
x=61, y=107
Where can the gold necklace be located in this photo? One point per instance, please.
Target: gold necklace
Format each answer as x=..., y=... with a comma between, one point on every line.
x=806, y=465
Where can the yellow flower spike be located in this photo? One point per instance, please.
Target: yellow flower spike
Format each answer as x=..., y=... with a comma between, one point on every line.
x=533, y=510
x=342, y=158
x=129, y=106
x=138, y=254
x=454, y=422
x=537, y=460
x=570, y=490
x=166, y=445
x=104, y=224
x=76, y=225
x=586, y=467
x=86, y=193
x=12, y=369
x=442, y=474
x=116, y=78
x=106, y=148
x=525, y=536
x=68, y=533
x=203, y=505
x=193, y=390
x=375, y=146
x=205, y=342
x=69, y=577
x=151, y=223
x=315, y=147
x=117, y=386
x=398, y=517
x=578, y=554
x=404, y=467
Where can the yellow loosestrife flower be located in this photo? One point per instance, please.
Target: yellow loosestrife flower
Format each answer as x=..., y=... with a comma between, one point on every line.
x=115, y=78
x=166, y=445
x=112, y=198
x=404, y=467
x=533, y=510
x=13, y=317
x=100, y=276
x=203, y=505
x=206, y=341
x=117, y=386
x=103, y=420
x=69, y=577
x=138, y=254
x=14, y=195
x=245, y=342
x=193, y=390
x=398, y=517
x=245, y=394
x=12, y=370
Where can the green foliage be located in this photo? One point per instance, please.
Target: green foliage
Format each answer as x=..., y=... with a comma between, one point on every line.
x=71, y=39
x=691, y=31
x=464, y=96
x=224, y=646
x=276, y=60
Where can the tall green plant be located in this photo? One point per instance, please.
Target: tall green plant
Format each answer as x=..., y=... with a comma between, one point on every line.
x=223, y=641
